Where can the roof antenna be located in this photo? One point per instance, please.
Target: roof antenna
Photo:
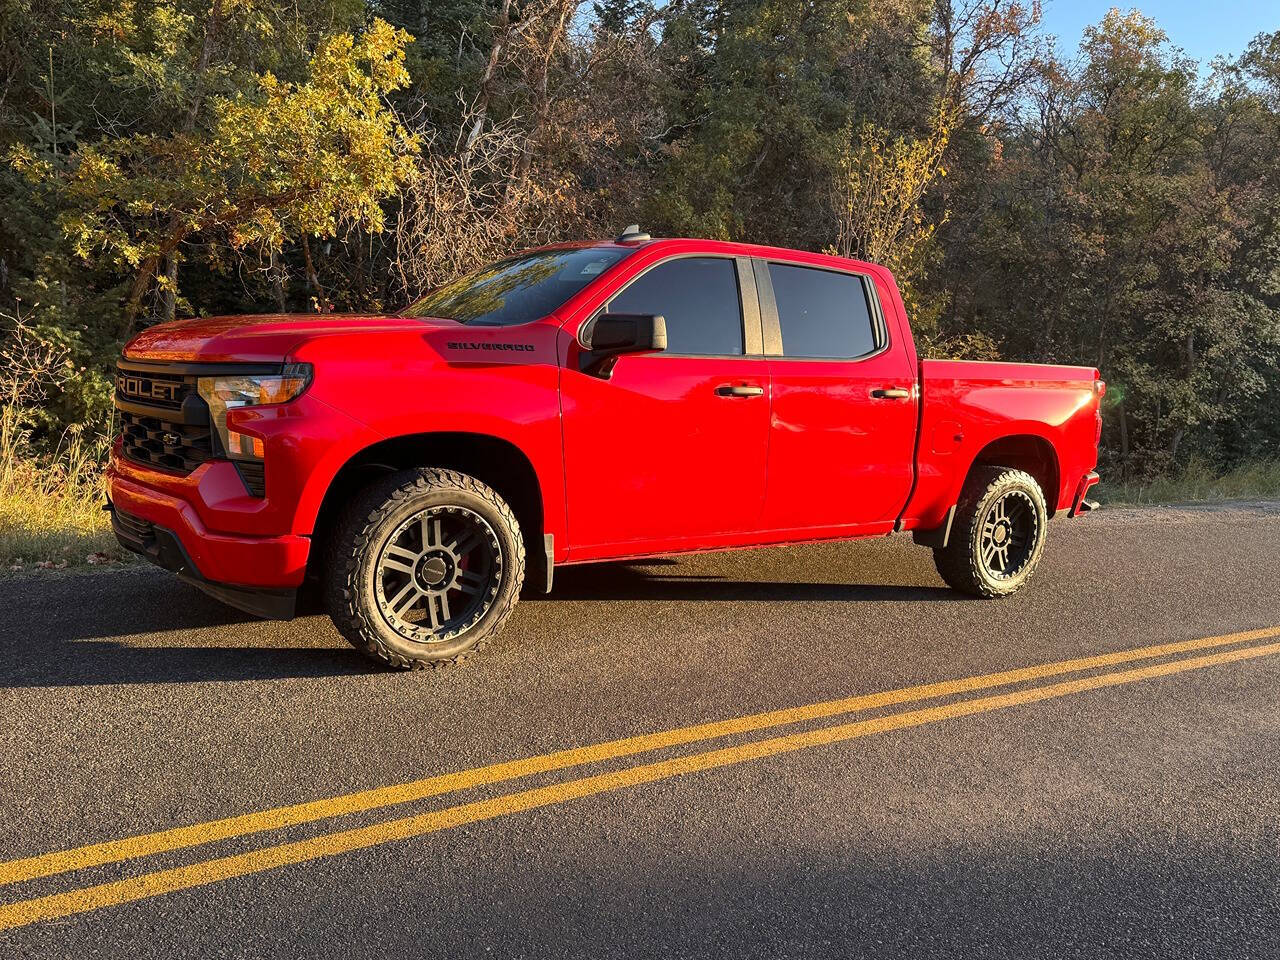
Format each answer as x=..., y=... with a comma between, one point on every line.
x=631, y=234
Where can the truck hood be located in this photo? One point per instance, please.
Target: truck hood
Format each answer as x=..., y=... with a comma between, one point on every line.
x=266, y=338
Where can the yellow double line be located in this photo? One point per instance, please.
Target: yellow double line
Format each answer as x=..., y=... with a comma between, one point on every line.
x=152, y=884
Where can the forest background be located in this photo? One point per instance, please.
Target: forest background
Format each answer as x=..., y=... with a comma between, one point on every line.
x=1116, y=206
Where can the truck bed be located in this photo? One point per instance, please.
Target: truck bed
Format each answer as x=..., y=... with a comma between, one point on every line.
x=974, y=409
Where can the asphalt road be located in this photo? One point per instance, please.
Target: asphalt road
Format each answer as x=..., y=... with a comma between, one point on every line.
x=1129, y=806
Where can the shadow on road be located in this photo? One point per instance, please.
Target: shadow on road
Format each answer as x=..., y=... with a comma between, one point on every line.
x=638, y=582
x=107, y=662
x=63, y=631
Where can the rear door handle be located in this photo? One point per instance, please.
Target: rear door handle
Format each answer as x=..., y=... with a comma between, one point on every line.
x=739, y=390
x=891, y=393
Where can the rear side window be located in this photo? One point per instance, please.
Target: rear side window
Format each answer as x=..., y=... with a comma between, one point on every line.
x=698, y=296
x=822, y=313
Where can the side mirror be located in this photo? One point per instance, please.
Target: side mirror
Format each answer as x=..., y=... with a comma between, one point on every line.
x=610, y=335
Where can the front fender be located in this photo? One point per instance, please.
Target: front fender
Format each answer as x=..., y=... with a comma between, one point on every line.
x=426, y=384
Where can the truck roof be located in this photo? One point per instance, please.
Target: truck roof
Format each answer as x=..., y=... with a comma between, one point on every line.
x=721, y=247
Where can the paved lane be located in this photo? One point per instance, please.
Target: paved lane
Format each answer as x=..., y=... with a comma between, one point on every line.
x=1118, y=816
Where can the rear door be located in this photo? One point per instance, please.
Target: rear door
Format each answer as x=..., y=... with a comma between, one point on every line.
x=670, y=449
x=842, y=438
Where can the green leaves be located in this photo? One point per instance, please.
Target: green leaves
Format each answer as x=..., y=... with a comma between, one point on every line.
x=313, y=157
x=1122, y=227
x=1118, y=209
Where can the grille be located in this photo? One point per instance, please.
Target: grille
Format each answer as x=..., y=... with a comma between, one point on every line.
x=133, y=528
x=165, y=443
x=165, y=423
x=254, y=475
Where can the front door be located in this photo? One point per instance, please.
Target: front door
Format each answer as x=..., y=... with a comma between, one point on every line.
x=670, y=450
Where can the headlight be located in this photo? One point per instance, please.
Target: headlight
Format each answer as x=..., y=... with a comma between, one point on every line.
x=225, y=392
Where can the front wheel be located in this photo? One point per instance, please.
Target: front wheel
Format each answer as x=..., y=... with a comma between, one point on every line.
x=998, y=535
x=425, y=568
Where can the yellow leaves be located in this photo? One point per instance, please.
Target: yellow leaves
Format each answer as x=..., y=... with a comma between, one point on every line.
x=116, y=23
x=170, y=27
x=880, y=189
x=276, y=160
x=383, y=46
x=35, y=169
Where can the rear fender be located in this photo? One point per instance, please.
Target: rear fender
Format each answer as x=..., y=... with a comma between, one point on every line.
x=967, y=420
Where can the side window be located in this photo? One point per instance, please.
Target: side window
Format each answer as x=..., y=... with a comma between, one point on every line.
x=698, y=296
x=822, y=313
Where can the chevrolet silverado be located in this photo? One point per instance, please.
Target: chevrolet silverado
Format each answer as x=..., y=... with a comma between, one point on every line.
x=578, y=403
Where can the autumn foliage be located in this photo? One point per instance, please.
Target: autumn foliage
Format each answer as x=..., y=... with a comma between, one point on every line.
x=1116, y=207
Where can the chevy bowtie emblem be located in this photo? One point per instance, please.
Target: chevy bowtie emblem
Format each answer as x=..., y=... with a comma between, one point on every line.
x=170, y=439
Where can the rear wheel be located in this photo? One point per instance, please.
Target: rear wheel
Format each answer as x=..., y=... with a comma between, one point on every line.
x=425, y=568
x=998, y=536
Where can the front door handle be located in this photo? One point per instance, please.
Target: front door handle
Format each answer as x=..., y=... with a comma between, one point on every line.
x=891, y=393
x=739, y=390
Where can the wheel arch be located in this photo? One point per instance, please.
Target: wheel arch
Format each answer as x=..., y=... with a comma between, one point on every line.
x=1028, y=452
x=494, y=461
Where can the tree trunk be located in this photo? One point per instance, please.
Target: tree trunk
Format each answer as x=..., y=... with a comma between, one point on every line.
x=362, y=288
x=501, y=31
x=313, y=280
x=1124, y=434
x=211, y=27
x=148, y=267
x=141, y=279
x=277, y=280
x=541, y=79
x=169, y=296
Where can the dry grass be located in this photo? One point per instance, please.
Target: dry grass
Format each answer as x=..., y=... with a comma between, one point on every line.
x=51, y=514
x=1198, y=483
x=50, y=505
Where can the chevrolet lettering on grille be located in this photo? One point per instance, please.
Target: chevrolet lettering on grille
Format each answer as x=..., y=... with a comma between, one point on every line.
x=145, y=389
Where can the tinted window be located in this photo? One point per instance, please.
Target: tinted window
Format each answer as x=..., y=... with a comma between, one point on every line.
x=822, y=313
x=698, y=296
x=517, y=290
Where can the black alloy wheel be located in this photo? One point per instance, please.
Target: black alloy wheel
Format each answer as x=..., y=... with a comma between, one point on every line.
x=1009, y=531
x=438, y=573
x=424, y=567
x=997, y=535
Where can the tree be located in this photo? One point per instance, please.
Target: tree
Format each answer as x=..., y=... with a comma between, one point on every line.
x=1115, y=229
x=617, y=16
x=756, y=102
x=311, y=158
x=1118, y=207
x=878, y=193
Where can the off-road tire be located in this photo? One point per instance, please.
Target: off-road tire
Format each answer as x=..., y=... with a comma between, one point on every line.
x=961, y=562
x=362, y=532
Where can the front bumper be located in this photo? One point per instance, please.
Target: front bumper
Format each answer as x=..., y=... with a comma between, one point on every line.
x=151, y=517
x=240, y=558
x=164, y=548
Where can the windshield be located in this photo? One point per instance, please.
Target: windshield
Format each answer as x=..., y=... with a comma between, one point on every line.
x=517, y=290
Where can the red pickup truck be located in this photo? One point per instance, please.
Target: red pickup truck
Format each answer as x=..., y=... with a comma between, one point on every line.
x=579, y=403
